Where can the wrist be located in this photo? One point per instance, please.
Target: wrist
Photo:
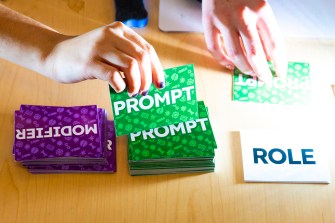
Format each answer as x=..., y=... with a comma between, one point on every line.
x=50, y=54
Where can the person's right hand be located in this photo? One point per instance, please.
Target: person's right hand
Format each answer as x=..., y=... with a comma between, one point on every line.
x=108, y=53
x=250, y=36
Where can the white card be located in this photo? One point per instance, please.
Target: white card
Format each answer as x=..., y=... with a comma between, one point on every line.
x=284, y=156
x=180, y=16
x=298, y=19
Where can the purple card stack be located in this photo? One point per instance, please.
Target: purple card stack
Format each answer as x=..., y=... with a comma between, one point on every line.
x=51, y=139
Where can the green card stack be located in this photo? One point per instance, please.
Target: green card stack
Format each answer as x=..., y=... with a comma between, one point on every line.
x=168, y=130
x=177, y=148
x=294, y=90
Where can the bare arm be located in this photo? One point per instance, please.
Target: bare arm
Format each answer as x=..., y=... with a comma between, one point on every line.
x=101, y=53
x=25, y=41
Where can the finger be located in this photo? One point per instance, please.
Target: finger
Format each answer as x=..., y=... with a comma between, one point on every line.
x=234, y=49
x=264, y=44
x=116, y=81
x=108, y=73
x=142, y=58
x=272, y=38
x=127, y=65
x=255, y=52
x=213, y=42
x=158, y=75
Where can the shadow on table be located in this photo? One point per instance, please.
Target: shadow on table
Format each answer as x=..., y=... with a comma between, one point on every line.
x=236, y=152
x=186, y=48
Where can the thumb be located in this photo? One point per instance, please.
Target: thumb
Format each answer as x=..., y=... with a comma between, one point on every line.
x=108, y=73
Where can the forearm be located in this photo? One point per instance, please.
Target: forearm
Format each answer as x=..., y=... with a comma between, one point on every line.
x=26, y=42
x=102, y=53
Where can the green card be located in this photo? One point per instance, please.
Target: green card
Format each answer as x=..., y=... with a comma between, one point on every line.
x=294, y=90
x=177, y=102
x=192, y=139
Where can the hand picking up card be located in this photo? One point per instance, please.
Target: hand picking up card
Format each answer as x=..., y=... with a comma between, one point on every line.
x=294, y=90
x=176, y=103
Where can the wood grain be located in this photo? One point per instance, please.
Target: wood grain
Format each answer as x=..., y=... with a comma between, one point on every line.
x=221, y=196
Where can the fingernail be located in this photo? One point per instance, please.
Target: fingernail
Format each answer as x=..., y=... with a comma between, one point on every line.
x=253, y=74
x=144, y=93
x=230, y=66
x=162, y=84
x=250, y=72
x=266, y=79
x=282, y=74
x=135, y=95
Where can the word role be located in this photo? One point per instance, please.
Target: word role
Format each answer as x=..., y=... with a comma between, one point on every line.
x=280, y=156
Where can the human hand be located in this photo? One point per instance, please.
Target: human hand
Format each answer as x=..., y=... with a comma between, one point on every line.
x=103, y=54
x=250, y=36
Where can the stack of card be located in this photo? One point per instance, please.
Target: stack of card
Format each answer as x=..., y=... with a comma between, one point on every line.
x=177, y=102
x=168, y=130
x=295, y=89
x=177, y=148
x=52, y=139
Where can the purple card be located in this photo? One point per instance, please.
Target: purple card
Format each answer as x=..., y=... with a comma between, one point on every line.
x=59, y=134
x=110, y=167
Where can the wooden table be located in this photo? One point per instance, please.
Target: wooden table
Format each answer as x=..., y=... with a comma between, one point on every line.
x=221, y=196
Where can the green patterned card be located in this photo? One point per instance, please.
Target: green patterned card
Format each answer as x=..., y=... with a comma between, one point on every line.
x=177, y=102
x=294, y=90
x=192, y=139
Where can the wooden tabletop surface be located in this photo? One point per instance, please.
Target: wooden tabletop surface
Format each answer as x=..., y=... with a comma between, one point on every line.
x=221, y=196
